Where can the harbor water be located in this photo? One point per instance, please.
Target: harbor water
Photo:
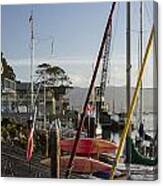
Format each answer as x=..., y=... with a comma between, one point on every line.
x=140, y=172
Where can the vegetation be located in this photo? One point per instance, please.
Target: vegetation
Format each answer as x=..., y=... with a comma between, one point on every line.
x=6, y=69
x=16, y=134
x=54, y=75
x=13, y=133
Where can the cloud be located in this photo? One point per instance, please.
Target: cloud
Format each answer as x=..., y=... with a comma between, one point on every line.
x=80, y=70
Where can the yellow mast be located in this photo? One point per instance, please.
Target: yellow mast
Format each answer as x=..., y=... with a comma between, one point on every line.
x=133, y=102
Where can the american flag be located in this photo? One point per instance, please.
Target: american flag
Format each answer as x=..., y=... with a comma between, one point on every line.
x=31, y=24
x=90, y=109
x=30, y=18
x=30, y=145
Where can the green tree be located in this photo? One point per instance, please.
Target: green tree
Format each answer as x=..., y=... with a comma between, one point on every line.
x=7, y=70
x=54, y=74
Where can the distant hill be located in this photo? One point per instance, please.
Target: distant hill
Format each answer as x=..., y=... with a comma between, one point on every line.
x=116, y=94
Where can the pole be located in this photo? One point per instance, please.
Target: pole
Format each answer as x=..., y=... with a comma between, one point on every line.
x=128, y=80
x=32, y=60
x=31, y=68
x=44, y=100
x=55, y=151
x=89, y=93
x=128, y=58
x=133, y=102
x=141, y=51
x=46, y=131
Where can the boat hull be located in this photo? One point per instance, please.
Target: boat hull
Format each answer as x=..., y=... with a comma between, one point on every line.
x=81, y=164
x=138, y=158
x=88, y=146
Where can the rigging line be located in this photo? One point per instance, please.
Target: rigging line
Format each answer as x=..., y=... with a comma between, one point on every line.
x=133, y=101
x=155, y=41
x=113, y=38
x=156, y=50
x=138, y=118
x=149, y=12
x=137, y=31
x=113, y=42
x=149, y=19
x=115, y=31
x=43, y=39
x=48, y=39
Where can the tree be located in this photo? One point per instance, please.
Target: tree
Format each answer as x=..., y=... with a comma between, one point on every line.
x=7, y=70
x=54, y=75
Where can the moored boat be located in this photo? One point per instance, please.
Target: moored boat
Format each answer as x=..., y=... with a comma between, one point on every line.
x=138, y=158
x=81, y=164
x=88, y=146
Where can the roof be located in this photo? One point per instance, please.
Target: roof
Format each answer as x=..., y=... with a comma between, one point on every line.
x=24, y=86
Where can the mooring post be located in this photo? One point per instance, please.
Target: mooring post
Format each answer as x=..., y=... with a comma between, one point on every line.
x=92, y=128
x=55, y=151
x=47, y=143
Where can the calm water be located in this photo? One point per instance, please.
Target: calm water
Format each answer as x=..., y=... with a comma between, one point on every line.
x=150, y=126
x=140, y=172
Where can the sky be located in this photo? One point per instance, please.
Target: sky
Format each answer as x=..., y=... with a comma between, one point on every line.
x=77, y=30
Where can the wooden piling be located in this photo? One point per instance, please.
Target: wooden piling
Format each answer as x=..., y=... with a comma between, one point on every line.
x=92, y=128
x=55, y=151
x=47, y=144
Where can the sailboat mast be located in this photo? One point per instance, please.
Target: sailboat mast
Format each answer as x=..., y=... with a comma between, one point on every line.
x=128, y=63
x=77, y=138
x=128, y=80
x=141, y=51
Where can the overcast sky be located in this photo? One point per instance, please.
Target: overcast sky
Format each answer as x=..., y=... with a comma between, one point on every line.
x=77, y=31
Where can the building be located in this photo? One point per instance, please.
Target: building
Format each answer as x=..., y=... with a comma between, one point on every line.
x=56, y=103
x=8, y=96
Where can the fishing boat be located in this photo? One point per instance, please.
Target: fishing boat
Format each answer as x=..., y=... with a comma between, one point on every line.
x=88, y=146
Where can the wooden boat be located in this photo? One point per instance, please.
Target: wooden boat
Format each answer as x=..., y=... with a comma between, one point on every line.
x=110, y=158
x=88, y=146
x=85, y=165
x=138, y=158
x=81, y=164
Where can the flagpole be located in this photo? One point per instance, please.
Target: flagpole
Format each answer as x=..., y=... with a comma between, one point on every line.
x=32, y=114
x=32, y=60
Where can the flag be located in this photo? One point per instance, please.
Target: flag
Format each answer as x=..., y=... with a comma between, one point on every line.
x=90, y=109
x=30, y=18
x=30, y=145
x=30, y=138
x=31, y=25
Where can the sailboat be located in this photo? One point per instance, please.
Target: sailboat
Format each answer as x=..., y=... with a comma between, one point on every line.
x=137, y=157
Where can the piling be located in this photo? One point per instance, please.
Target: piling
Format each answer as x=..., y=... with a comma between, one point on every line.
x=47, y=144
x=92, y=128
x=55, y=151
